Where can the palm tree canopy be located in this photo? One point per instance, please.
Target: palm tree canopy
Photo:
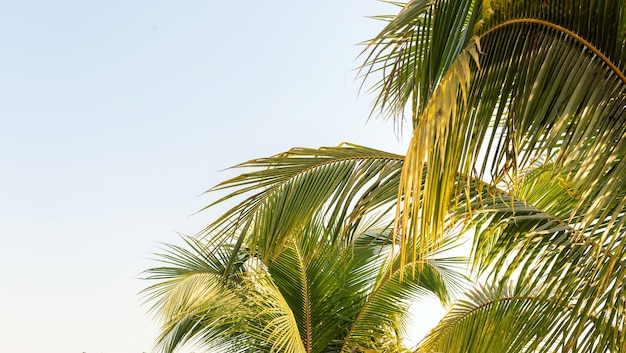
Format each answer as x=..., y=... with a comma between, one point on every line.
x=313, y=296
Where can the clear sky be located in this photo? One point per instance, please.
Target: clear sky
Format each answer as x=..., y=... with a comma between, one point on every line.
x=116, y=115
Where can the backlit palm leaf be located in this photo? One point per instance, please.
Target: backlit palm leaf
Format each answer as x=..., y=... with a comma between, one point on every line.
x=315, y=295
x=290, y=189
x=507, y=319
x=548, y=88
x=527, y=239
x=414, y=52
x=193, y=301
x=386, y=306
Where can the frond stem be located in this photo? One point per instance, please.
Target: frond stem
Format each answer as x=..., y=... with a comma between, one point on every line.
x=315, y=166
x=306, y=297
x=573, y=35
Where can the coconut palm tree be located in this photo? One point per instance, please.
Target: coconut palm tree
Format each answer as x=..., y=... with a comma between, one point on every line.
x=517, y=117
x=313, y=296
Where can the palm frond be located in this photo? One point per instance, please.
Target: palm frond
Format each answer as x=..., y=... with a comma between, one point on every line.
x=387, y=301
x=191, y=298
x=527, y=239
x=414, y=52
x=600, y=23
x=549, y=89
x=275, y=323
x=429, y=173
x=312, y=280
x=513, y=319
x=290, y=189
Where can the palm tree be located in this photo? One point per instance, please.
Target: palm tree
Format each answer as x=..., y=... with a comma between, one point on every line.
x=517, y=114
x=314, y=296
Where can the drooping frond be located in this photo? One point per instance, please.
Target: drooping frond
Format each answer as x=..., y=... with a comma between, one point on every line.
x=191, y=298
x=527, y=238
x=275, y=324
x=288, y=190
x=429, y=173
x=414, y=52
x=599, y=23
x=548, y=88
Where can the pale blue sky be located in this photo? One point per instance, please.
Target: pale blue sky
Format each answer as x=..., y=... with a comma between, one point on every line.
x=116, y=115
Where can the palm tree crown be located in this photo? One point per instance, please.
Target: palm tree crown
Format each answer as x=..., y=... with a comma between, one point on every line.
x=314, y=296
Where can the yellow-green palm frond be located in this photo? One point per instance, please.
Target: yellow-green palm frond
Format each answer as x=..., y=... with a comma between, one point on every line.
x=526, y=238
x=287, y=191
x=315, y=295
x=516, y=319
x=549, y=88
x=192, y=300
x=387, y=302
x=412, y=54
x=275, y=323
x=599, y=23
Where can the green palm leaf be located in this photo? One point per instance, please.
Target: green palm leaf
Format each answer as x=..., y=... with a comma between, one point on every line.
x=414, y=52
x=560, y=100
x=288, y=190
x=192, y=299
x=528, y=239
x=275, y=323
x=507, y=319
x=389, y=298
x=315, y=295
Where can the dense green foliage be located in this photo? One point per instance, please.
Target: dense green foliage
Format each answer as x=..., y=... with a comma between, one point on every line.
x=517, y=111
x=314, y=296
